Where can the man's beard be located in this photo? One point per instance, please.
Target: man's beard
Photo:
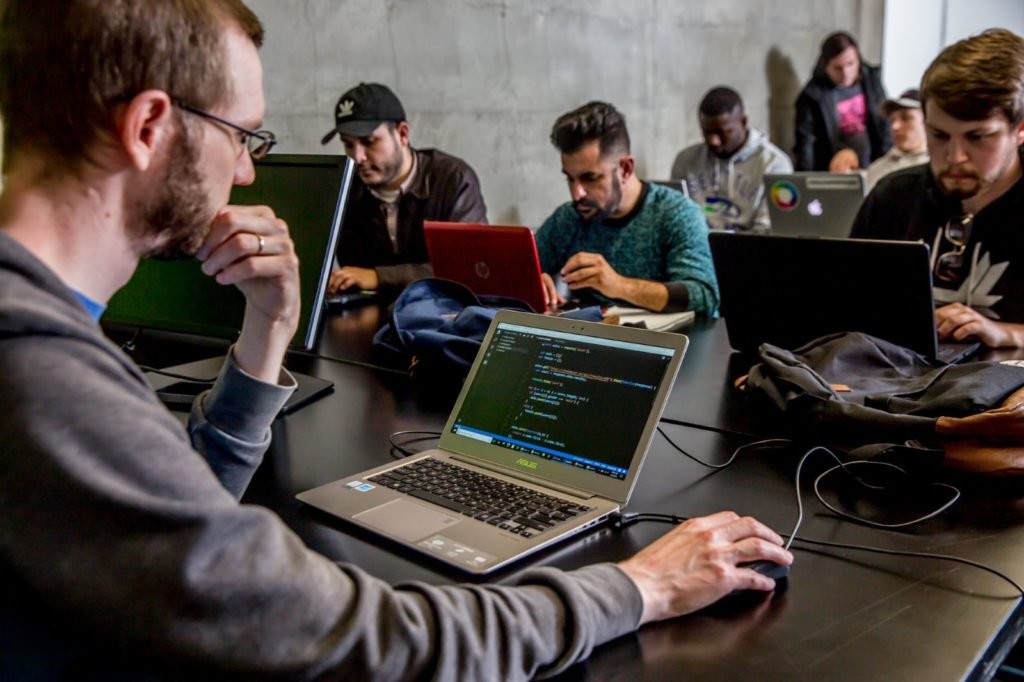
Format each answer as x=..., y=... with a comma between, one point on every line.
x=180, y=212
x=600, y=213
x=981, y=183
x=959, y=192
x=389, y=170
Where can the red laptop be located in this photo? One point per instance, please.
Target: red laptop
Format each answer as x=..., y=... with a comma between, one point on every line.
x=489, y=259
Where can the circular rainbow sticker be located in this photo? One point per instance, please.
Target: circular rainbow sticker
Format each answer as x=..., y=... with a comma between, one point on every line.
x=784, y=195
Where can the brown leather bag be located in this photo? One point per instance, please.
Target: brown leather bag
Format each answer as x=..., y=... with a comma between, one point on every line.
x=990, y=442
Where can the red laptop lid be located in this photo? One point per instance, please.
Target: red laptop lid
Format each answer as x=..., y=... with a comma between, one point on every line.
x=489, y=259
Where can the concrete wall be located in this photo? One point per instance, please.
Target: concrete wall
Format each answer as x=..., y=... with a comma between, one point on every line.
x=485, y=79
x=936, y=24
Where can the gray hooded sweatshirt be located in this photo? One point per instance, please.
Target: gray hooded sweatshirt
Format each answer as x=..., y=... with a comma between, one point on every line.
x=125, y=554
x=732, y=190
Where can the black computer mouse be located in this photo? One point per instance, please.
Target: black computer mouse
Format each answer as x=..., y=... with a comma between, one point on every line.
x=777, y=572
x=743, y=599
x=771, y=569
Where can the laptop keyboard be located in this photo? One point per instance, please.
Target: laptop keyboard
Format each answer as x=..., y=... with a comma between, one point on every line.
x=953, y=352
x=494, y=501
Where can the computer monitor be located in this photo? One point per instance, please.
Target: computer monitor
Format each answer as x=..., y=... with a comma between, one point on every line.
x=308, y=192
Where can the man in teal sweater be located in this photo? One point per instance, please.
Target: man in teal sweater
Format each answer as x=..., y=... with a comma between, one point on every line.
x=621, y=239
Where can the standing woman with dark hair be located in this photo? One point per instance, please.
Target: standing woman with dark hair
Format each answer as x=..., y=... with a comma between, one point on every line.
x=839, y=123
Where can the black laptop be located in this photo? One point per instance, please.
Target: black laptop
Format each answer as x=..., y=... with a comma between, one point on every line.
x=790, y=290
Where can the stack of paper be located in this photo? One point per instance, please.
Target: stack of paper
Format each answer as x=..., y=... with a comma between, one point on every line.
x=638, y=317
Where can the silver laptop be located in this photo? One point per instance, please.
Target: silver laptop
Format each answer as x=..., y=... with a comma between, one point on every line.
x=545, y=440
x=813, y=204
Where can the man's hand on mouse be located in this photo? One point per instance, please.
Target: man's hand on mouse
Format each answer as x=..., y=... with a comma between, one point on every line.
x=695, y=564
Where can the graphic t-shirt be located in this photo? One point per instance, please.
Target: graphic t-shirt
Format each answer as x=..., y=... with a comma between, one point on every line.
x=909, y=206
x=852, y=115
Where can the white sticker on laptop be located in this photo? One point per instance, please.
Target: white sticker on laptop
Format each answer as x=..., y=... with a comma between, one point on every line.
x=456, y=551
x=360, y=486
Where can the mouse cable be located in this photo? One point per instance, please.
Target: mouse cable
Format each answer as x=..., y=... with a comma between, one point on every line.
x=628, y=518
x=918, y=555
x=766, y=443
x=954, y=495
x=346, y=361
x=704, y=427
x=846, y=467
x=402, y=447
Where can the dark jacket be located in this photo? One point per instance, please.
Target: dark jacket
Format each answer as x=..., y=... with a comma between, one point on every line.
x=444, y=188
x=817, y=127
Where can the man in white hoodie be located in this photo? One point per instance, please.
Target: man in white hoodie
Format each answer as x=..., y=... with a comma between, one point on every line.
x=725, y=173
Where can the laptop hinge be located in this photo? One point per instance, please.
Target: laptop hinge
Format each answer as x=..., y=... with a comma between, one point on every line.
x=498, y=469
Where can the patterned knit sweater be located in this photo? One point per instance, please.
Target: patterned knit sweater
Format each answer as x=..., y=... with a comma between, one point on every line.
x=665, y=239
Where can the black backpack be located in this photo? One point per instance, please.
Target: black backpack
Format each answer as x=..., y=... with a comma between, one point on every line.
x=854, y=389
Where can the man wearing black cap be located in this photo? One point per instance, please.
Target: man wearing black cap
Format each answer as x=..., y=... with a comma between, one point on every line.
x=909, y=143
x=382, y=245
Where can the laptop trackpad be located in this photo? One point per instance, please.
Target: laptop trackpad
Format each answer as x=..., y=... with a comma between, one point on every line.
x=406, y=520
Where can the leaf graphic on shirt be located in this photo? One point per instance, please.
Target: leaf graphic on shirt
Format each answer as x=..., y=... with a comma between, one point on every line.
x=986, y=276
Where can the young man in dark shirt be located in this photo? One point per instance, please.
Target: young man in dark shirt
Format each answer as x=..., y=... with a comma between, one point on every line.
x=968, y=203
x=382, y=244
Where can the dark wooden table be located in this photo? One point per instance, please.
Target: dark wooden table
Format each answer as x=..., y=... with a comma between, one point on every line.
x=844, y=614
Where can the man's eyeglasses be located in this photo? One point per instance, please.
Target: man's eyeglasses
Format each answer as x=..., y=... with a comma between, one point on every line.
x=258, y=142
x=957, y=231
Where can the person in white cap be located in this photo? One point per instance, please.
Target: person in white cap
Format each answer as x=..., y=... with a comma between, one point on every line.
x=909, y=141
